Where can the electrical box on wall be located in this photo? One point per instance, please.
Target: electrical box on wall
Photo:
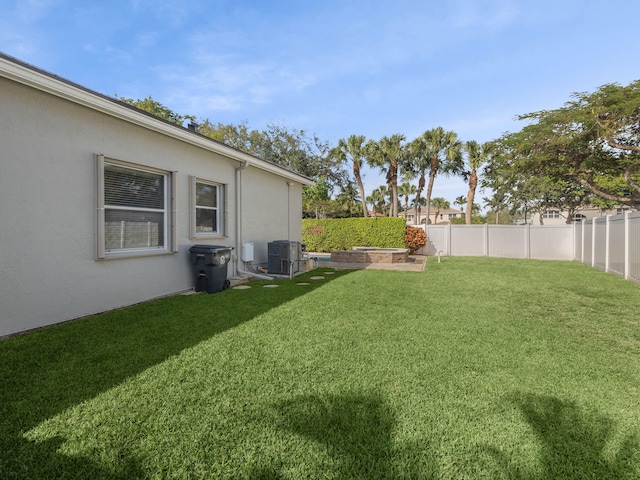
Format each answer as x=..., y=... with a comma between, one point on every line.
x=247, y=252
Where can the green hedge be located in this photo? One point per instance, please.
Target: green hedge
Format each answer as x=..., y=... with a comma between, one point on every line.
x=332, y=234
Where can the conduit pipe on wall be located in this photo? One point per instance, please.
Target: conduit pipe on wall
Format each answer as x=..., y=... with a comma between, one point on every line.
x=290, y=185
x=244, y=164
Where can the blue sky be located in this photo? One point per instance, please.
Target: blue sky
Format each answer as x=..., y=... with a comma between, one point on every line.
x=336, y=68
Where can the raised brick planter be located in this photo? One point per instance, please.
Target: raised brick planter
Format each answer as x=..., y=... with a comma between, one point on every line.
x=371, y=255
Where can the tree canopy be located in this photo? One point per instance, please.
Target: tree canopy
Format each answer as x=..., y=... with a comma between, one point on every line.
x=290, y=148
x=158, y=109
x=593, y=140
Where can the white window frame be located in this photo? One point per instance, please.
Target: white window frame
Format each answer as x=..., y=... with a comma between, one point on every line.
x=221, y=209
x=169, y=243
x=551, y=213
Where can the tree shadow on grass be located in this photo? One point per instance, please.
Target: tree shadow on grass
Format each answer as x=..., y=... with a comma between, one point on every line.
x=356, y=435
x=572, y=442
x=45, y=372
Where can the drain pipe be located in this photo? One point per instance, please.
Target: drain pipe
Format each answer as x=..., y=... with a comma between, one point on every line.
x=290, y=185
x=239, y=271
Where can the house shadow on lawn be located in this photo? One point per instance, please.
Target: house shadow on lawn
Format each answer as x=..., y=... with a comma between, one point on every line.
x=356, y=434
x=45, y=372
x=572, y=443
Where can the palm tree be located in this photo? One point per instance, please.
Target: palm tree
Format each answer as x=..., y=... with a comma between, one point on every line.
x=419, y=163
x=438, y=203
x=477, y=156
x=347, y=201
x=404, y=190
x=378, y=199
x=444, y=151
x=387, y=154
x=351, y=149
x=460, y=201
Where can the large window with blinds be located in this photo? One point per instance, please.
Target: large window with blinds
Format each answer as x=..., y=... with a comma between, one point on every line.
x=135, y=209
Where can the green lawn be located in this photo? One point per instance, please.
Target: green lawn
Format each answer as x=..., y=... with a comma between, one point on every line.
x=474, y=368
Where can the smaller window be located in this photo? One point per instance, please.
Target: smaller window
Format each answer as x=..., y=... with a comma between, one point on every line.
x=551, y=214
x=206, y=208
x=207, y=219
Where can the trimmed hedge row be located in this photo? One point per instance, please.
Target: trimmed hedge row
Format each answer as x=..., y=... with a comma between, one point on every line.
x=332, y=234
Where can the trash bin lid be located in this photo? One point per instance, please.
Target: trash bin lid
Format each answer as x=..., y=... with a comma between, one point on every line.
x=209, y=248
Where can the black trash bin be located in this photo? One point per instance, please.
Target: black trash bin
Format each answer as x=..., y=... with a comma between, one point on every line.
x=210, y=267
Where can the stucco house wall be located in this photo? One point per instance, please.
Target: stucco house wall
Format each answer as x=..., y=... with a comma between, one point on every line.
x=51, y=133
x=260, y=226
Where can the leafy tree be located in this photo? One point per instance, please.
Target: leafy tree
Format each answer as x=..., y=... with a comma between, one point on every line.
x=560, y=194
x=475, y=220
x=316, y=199
x=239, y=136
x=499, y=217
x=523, y=193
x=387, y=154
x=156, y=108
x=351, y=150
x=593, y=140
x=439, y=203
x=290, y=148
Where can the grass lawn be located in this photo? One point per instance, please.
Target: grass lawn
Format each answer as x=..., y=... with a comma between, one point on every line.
x=474, y=368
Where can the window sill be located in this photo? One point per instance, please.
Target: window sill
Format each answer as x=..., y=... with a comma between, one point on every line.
x=135, y=254
x=208, y=237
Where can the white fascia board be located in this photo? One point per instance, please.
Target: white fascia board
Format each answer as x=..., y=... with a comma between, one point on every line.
x=34, y=78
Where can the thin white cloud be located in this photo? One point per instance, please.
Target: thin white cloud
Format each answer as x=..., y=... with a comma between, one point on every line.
x=118, y=55
x=29, y=11
x=19, y=34
x=146, y=39
x=222, y=70
x=482, y=14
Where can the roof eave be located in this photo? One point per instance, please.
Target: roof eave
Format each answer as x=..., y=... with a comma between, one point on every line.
x=33, y=77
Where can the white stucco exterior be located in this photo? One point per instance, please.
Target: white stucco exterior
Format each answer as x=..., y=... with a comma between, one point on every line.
x=51, y=132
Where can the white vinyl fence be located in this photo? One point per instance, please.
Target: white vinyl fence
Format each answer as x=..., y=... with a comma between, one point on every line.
x=544, y=242
x=611, y=243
